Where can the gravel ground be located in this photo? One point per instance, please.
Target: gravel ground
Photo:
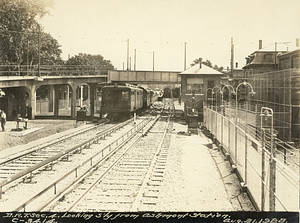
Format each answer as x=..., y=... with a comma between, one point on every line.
x=192, y=181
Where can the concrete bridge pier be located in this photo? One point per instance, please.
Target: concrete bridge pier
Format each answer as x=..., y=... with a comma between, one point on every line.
x=73, y=99
x=32, y=100
x=93, y=91
x=56, y=100
x=51, y=98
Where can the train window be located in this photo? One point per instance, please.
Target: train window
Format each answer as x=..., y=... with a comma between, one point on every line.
x=125, y=96
x=132, y=96
x=106, y=95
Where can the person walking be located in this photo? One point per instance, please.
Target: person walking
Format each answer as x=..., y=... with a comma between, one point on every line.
x=3, y=120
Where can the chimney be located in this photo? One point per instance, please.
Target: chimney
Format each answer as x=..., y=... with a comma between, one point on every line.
x=236, y=65
x=200, y=63
x=260, y=44
x=297, y=42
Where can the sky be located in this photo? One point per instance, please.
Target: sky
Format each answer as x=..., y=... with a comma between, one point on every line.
x=164, y=26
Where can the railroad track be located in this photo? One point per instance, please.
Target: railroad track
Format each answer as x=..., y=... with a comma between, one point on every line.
x=128, y=181
x=46, y=182
x=124, y=169
x=24, y=166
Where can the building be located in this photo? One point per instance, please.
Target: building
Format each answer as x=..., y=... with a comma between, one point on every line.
x=275, y=77
x=195, y=81
x=267, y=59
x=289, y=60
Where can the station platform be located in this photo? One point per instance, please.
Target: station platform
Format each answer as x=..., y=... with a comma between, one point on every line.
x=38, y=132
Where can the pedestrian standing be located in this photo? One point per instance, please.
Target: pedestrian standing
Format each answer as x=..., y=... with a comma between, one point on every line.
x=3, y=120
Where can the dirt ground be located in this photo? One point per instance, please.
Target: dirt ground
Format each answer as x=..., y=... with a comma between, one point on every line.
x=39, y=128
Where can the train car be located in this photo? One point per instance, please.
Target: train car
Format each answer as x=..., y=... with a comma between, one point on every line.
x=167, y=93
x=146, y=97
x=120, y=101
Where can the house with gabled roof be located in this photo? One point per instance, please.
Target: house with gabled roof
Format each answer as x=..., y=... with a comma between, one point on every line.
x=194, y=84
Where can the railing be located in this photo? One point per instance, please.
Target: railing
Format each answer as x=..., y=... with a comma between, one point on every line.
x=271, y=180
x=52, y=70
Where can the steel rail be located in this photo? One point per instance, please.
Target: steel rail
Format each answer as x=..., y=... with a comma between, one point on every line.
x=58, y=156
x=138, y=198
x=108, y=169
x=79, y=178
x=51, y=143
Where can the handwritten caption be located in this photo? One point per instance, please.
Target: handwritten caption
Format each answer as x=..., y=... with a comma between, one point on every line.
x=109, y=216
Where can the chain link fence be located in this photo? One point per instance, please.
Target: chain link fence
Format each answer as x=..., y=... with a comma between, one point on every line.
x=267, y=166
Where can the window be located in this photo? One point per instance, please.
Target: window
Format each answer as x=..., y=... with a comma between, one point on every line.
x=268, y=58
x=194, y=88
x=210, y=84
x=194, y=85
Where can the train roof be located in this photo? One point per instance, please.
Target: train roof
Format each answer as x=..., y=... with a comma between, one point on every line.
x=122, y=86
x=148, y=90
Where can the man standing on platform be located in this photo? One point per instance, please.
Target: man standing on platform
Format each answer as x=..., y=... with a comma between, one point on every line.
x=3, y=120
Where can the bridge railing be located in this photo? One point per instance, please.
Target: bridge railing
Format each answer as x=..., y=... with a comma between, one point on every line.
x=272, y=181
x=51, y=70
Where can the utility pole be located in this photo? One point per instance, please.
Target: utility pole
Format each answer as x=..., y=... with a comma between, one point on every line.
x=134, y=59
x=232, y=57
x=127, y=54
x=39, y=57
x=27, y=55
x=184, y=55
x=153, y=60
x=275, y=65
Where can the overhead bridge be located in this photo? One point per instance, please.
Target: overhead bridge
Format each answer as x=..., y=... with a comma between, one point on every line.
x=61, y=95
x=16, y=88
x=147, y=79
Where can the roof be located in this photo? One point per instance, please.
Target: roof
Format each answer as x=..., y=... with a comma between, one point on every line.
x=279, y=48
x=297, y=51
x=203, y=70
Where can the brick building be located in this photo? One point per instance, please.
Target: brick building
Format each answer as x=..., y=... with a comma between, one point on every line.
x=289, y=60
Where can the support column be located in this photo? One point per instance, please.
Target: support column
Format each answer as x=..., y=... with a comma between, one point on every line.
x=56, y=100
x=23, y=102
x=93, y=88
x=51, y=98
x=67, y=97
x=73, y=100
x=32, y=100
